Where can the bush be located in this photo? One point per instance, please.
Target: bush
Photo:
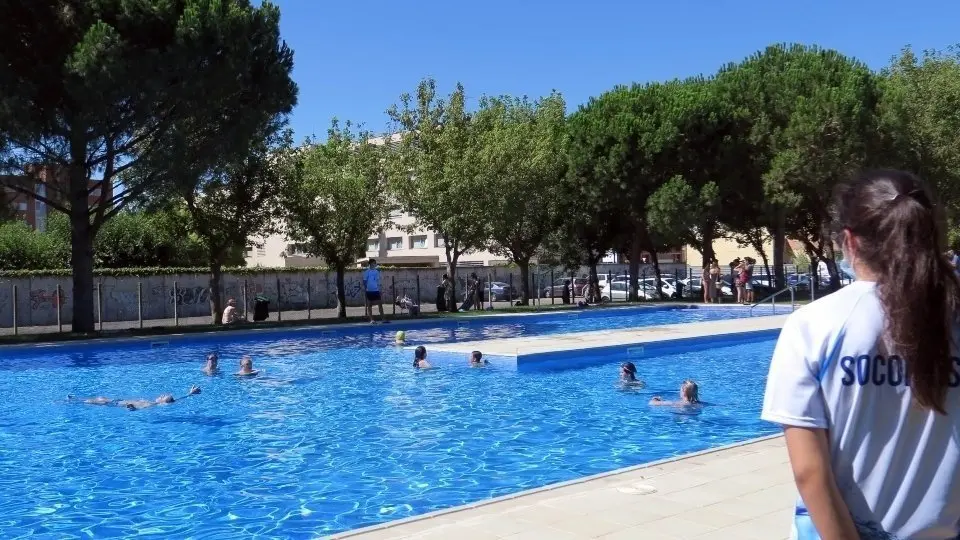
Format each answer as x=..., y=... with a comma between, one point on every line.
x=22, y=248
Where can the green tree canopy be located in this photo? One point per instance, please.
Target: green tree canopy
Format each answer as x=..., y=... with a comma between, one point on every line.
x=522, y=161
x=94, y=89
x=434, y=170
x=337, y=198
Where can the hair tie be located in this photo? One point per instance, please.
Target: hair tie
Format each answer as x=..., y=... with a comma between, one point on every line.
x=914, y=194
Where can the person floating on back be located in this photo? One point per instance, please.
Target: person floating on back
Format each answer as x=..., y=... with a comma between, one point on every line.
x=134, y=404
x=865, y=381
x=371, y=289
x=420, y=358
x=476, y=359
x=689, y=395
x=246, y=368
x=212, y=365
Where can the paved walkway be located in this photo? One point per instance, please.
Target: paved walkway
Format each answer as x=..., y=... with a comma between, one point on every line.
x=744, y=492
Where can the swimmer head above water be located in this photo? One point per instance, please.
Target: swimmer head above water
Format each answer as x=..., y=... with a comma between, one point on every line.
x=420, y=358
x=212, y=365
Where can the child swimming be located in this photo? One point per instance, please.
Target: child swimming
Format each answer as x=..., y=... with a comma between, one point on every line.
x=689, y=395
x=628, y=375
x=246, y=368
x=401, y=338
x=476, y=359
x=420, y=358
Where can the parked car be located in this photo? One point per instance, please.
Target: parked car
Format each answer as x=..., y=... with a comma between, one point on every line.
x=500, y=291
x=618, y=291
x=694, y=286
x=667, y=285
x=556, y=290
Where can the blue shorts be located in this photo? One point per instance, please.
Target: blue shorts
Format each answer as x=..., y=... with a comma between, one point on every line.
x=373, y=296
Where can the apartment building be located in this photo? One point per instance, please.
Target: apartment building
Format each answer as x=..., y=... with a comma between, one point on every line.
x=47, y=182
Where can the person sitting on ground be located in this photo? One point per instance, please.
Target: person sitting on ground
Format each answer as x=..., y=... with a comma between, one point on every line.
x=230, y=313
x=476, y=359
x=420, y=358
x=212, y=367
x=408, y=304
x=628, y=374
x=246, y=368
x=134, y=404
x=689, y=395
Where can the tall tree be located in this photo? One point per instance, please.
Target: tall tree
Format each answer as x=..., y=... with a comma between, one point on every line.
x=433, y=171
x=920, y=122
x=94, y=89
x=522, y=161
x=234, y=200
x=337, y=199
x=815, y=124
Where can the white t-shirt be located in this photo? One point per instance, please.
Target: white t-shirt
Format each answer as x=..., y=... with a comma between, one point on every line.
x=896, y=464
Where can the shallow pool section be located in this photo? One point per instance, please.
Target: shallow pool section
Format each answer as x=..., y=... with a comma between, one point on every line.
x=339, y=433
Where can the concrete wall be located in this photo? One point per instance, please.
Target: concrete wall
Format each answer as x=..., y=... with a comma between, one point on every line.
x=38, y=302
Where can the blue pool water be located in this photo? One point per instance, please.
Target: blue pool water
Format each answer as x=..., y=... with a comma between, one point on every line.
x=340, y=432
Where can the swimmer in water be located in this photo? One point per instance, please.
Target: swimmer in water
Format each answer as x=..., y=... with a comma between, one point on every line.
x=476, y=359
x=420, y=358
x=134, y=404
x=628, y=375
x=689, y=395
x=211, y=367
x=246, y=368
x=401, y=338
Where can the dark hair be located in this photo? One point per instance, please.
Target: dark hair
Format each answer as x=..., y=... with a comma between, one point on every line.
x=891, y=218
x=372, y=261
x=476, y=356
x=629, y=367
x=420, y=353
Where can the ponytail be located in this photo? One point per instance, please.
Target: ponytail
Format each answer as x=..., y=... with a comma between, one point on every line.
x=891, y=220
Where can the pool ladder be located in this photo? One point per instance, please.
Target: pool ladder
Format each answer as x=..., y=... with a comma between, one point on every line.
x=773, y=300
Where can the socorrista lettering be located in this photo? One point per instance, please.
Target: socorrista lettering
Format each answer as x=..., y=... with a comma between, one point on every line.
x=881, y=370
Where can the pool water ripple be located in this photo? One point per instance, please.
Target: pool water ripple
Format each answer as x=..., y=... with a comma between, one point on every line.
x=340, y=432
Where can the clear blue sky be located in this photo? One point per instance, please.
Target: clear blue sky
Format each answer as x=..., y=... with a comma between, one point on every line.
x=353, y=59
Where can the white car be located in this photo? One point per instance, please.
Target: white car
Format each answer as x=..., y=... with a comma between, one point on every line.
x=617, y=291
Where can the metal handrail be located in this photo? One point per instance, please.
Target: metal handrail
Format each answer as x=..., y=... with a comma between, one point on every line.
x=773, y=300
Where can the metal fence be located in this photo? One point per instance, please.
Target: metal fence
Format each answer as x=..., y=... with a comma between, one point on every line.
x=37, y=305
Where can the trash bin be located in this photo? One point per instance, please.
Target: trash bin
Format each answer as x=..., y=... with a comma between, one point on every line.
x=261, y=308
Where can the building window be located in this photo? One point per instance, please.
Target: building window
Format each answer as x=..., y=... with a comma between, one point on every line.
x=373, y=244
x=438, y=241
x=261, y=252
x=396, y=214
x=395, y=243
x=22, y=207
x=418, y=242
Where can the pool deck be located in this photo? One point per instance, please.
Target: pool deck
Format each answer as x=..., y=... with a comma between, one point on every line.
x=534, y=348
x=739, y=492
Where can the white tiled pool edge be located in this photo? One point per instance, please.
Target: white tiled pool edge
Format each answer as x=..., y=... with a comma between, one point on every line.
x=465, y=509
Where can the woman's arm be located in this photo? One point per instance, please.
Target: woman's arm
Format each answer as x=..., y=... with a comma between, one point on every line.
x=810, y=458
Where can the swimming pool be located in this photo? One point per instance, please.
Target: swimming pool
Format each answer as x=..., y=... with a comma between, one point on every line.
x=341, y=434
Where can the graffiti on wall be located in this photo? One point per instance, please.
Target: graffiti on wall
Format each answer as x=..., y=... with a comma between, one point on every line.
x=43, y=299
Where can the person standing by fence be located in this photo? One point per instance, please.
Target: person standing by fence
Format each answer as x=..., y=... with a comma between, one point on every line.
x=371, y=289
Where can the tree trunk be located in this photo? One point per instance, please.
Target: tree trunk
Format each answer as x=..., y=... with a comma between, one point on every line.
x=779, y=246
x=342, y=291
x=707, y=251
x=647, y=242
x=216, y=299
x=830, y=257
x=593, y=282
x=81, y=253
x=524, y=265
x=636, y=252
x=452, y=274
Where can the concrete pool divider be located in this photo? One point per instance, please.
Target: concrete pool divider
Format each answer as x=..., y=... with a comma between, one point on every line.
x=352, y=328
x=597, y=347
x=380, y=530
